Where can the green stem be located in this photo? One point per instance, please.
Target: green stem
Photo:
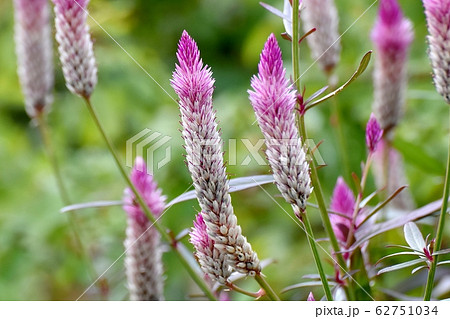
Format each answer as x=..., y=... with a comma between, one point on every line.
x=440, y=229
x=295, y=44
x=195, y=276
x=265, y=285
x=73, y=222
x=245, y=292
x=313, y=246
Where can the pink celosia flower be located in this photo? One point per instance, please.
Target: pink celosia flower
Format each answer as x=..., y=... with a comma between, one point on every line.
x=438, y=21
x=311, y=297
x=273, y=100
x=392, y=36
x=75, y=46
x=324, y=42
x=373, y=133
x=193, y=83
x=342, y=202
x=143, y=262
x=212, y=261
x=34, y=54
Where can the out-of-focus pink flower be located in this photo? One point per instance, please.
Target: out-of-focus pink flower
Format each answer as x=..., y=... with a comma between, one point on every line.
x=438, y=21
x=34, y=54
x=373, y=133
x=324, y=42
x=193, y=83
x=75, y=46
x=212, y=261
x=311, y=297
x=273, y=100
x=143, y=261
x=392, y=36
x=342, y=202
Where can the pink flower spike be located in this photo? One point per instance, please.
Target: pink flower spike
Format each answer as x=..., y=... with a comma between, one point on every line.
x=143, y=261
x=438, y=22
x=194, y=85
x=34, y=50
x=273, y=100
x=311, y=297
x=343, y=202
x=373, y=133
x=392, y=36
x=75, y=46
x=211, y=260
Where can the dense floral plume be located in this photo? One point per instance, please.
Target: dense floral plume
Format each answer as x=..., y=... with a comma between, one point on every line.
x=373, y=133
x=324, y=42
x=273, y=100
x=143, y=262
x=34, y=54
x=438, y=21
x=211, y=261
x=75, y=46
x=392, y=36
x=193, y=83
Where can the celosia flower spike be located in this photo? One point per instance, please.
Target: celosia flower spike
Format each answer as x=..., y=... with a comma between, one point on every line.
x=34, y=54
x=324, y=42
x=211, y=261
x=392, y=36
x=75, y=46
x=438, y=21
x=273, y=100
x=143, y=261
x=373, y=133
x=193, y=83
x=342, y=202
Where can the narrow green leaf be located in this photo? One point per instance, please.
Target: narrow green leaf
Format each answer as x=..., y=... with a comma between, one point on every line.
x=398, y=254
x=305, y=284
x=417, y=269
x=400, y=266
x=361, y=68
x=97, y=204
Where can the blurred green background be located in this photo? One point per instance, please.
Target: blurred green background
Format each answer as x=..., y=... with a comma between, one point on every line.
x=38, y=257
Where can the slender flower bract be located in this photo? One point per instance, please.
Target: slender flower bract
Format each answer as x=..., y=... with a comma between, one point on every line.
x=324, y=42
x=75, y=46
x=273, y=100
x=211, y=260
x=193, y=83
x=143, y=262
x=392, y=36
x=34, y=54
x=438, y=21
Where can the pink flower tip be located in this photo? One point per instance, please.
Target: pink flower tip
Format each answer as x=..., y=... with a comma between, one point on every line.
x=271, y=63
x=392, y=31
x=373, y=133
x=311, y=297
x=146, y=186
x=342, y=202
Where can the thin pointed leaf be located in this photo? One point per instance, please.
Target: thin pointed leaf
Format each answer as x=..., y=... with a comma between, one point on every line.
x=443, y=262
x=442, y=252
x=398, y=254
x=400, y=266
x=366, y=200
x=305, y=284
x=97, y=204
x=316, y=94
x=275, y=11
x=417, y=269
x=357, y=183
x=236, y=184
x=361, y=68
x=382, y=205
x=182, y=234
x=405, y=247
x=413, y=236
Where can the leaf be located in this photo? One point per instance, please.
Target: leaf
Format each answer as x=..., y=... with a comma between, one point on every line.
x=366, y=232
x=275, y=11
x=305, y=284
x=236, y=184
x=443, y=262
x=399, y=266
x=366, y=200
x=417, y=269
x=98, y=204
x=442, y=252
x=316, y=94
x=361, y=68
x=398, y=254
x=413, y=236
